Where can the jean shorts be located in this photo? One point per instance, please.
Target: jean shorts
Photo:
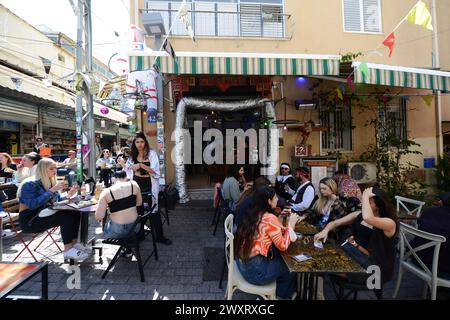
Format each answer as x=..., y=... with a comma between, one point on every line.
x=116, y=231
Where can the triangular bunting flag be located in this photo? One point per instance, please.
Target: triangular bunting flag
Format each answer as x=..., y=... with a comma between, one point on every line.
x=420, y=15
x=350, y=83
x=390, y=42
x=428, y=100
x=339, y=94
x=364, y=68
x=169, y=49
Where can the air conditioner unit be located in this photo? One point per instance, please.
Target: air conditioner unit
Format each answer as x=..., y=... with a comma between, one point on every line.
x=362, y=172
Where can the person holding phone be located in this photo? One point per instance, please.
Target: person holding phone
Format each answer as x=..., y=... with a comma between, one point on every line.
x=372, y=241
x=42, y=191
x=259, y=239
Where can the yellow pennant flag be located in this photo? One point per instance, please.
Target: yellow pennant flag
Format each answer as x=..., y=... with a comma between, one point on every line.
x=420, y=15
x=427, y=100
x=339, y=94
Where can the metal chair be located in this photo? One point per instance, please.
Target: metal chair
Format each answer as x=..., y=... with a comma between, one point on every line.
x=222, y=210
x=410, y=260
x=410, y=207
x=10, y=207
x=235, y=278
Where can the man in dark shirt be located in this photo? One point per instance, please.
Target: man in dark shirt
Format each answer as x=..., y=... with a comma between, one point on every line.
x=436, y=220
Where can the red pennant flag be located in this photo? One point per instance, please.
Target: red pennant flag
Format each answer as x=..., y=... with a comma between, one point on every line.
x=390, y=42
x=350, y=83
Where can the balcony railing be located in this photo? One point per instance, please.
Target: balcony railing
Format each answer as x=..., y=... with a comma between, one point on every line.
x=224, y=19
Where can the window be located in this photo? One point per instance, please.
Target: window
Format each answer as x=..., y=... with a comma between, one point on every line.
x=393, y=121
x=338, y=121
x=225, y=18
x=362, y=16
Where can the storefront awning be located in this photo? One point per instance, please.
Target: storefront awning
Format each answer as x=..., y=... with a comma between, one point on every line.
x=36, y=88
x=396, y=76
x=235, y=63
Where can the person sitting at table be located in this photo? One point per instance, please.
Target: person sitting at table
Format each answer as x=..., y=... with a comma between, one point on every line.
x=122, y=199
x=259, y=239
x=241, y=180
x=245, y=203
x=302, y=199
x=41, y=191
x=285, y=178
x=28, y=166
x=436, y=219
x=348, y=191
x=69, y=164
x=7, y=166
x=230, y=186
x=373, y=235
x=328, y=207
x=105, y=163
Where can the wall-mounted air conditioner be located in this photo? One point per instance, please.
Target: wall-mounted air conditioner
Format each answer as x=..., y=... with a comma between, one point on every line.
x=362, y=172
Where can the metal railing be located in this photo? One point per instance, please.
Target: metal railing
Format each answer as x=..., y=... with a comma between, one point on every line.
x=255, y=21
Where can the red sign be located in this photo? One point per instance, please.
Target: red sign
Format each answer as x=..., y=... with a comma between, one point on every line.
x=302, y=150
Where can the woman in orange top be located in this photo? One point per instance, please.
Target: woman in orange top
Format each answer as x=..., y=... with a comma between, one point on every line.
x=259, y=238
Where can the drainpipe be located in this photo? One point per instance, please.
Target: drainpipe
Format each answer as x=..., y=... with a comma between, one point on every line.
x=438, y=100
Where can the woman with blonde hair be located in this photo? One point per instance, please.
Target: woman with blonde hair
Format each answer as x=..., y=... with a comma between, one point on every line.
x=328, y=207
x=39, y=192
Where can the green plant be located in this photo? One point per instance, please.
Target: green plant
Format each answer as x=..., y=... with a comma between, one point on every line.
x=443, y=173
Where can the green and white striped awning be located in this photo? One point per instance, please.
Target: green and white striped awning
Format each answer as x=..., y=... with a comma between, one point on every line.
x=417, y=78
x=234, y=63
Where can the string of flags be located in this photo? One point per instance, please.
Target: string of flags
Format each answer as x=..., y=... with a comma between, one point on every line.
x=418, y=15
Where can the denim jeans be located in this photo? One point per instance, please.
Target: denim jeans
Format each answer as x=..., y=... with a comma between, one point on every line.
x=116, y=231
x=260, y=270
x=362, y=259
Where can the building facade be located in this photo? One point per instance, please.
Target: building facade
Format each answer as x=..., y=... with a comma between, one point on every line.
x=36, y=102
x=294, y=53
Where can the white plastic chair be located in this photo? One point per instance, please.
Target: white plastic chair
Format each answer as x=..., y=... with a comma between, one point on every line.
x=410, y=261
x=416, y=211
x=235, y=278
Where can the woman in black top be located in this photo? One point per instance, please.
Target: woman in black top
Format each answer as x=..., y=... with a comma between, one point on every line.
x=285, y=178
x=373, y=234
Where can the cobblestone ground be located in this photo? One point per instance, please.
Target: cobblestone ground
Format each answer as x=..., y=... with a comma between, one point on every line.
x=177, y=274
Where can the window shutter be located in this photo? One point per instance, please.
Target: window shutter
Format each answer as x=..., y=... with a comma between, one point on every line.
x=251, y=20
x=371, y=14
x=205, y=23
x=352, y=15
x=227, y=23
x=272, y=20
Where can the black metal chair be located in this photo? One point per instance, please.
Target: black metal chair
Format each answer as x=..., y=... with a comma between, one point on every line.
x=131, y=242
x=222, y=210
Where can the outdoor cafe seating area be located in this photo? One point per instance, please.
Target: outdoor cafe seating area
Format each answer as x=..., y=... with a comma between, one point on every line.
x=186, y=262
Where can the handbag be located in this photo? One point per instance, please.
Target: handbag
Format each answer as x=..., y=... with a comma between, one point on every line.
x=46, y=212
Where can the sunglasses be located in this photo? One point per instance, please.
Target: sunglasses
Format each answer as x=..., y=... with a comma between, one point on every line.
x=285, y=169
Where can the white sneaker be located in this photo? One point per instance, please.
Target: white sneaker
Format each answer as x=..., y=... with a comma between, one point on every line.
x=75, y=254
x=80, y=247
x=3, y=214
x=7, y=233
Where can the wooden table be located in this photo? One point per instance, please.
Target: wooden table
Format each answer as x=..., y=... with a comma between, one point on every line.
x=305, y=228
x=13, y=275
x=329, y=260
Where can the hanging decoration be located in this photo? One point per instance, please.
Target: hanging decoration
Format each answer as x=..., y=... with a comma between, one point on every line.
x=420, y=15
x=390, y=42
x=428, y=100
x=104, y=110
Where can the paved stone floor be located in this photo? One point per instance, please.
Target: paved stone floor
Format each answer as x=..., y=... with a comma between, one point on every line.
x=177, y=274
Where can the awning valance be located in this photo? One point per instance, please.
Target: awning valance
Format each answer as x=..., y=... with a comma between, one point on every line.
x=235, y=63
x=396, y=76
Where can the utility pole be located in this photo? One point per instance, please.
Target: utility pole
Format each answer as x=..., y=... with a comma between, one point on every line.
x=84, y=66
x=436, y=65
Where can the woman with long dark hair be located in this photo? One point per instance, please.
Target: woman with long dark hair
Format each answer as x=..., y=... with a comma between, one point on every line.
x=143, y=167
x=230, y=187
x=373, y=234
x=259, y=238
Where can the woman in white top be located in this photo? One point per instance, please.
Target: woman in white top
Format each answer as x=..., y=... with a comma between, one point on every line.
x=143, y=167
x=122, y=198
x=27, y=167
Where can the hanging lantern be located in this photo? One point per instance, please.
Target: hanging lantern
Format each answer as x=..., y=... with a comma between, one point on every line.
x=104, y=110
